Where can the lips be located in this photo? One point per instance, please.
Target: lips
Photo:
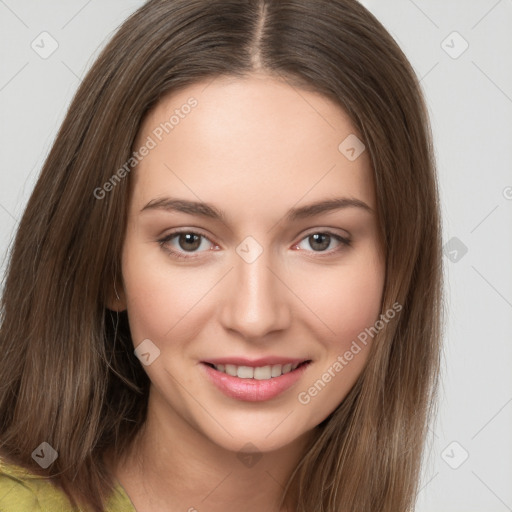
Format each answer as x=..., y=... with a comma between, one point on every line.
x=254, y=380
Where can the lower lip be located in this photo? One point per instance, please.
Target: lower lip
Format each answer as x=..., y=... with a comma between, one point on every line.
x=253, y=390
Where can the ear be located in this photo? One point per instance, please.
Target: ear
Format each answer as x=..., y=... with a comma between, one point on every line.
x=117, y=298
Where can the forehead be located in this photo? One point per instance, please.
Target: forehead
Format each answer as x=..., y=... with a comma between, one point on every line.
x=249, y=139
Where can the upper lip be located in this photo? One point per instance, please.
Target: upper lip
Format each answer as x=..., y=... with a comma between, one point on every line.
x=262, y=361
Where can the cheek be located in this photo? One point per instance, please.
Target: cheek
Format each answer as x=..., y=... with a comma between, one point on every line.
x=159, y=297
x=347, y=299
x=349, y=305
x=359, y=303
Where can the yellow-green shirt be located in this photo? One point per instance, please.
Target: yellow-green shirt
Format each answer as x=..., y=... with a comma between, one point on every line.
x=22, y=491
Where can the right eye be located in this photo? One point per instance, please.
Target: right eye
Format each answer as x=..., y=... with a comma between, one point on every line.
x=186, y=242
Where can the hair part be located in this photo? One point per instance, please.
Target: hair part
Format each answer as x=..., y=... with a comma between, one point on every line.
x=70, y=377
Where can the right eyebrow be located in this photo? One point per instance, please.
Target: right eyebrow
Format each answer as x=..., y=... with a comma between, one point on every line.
x=185, y=206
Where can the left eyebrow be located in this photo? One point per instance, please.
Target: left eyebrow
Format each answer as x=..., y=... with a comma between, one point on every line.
x=294, y=214
x=339, y=203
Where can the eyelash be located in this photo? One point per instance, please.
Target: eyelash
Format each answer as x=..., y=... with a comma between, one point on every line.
x=345, y=242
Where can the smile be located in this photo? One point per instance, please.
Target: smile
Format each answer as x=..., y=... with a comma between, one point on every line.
x=259, y=372
x=254, y=381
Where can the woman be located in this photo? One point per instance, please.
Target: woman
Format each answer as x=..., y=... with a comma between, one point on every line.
x=225, y=291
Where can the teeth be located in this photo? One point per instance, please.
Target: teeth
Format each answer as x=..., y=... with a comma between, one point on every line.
x=230, y=370
x=258, y=373
x=245, y=372
x=263, y=372
x=276, y=370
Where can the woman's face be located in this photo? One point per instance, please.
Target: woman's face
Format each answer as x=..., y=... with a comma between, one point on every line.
x=263, y=278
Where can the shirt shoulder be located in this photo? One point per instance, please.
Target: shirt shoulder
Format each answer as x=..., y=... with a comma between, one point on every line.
x=21, y=490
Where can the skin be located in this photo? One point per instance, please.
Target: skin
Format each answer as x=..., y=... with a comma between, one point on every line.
x=254, y=148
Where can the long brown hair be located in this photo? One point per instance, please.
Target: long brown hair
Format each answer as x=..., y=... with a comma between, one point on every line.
x=69, y=375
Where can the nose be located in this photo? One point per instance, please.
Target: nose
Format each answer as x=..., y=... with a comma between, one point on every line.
x=255, y=299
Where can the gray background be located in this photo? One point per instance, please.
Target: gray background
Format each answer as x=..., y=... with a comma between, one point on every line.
x=469, y=94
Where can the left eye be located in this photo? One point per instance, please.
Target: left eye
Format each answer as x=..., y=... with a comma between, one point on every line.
x=190, y=242
x=320, y=241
